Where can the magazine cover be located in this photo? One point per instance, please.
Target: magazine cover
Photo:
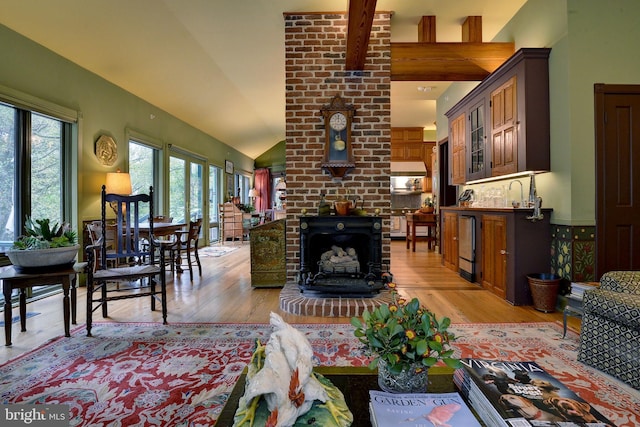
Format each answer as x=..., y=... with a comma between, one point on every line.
x=524, y=391
x=420, y=410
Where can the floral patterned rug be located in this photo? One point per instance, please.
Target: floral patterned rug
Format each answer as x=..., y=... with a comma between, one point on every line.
x=148, y=374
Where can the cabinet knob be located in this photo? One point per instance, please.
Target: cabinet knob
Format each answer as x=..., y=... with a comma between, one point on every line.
x=455, y=238
x=503, y=252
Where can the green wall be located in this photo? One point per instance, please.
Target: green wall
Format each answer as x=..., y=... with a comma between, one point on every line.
x=103, y=108
x=592, y=42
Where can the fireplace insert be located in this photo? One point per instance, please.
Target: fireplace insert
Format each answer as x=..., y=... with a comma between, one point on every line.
x=341, y=256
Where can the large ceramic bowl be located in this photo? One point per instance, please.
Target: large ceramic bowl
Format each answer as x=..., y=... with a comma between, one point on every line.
x=43, y=259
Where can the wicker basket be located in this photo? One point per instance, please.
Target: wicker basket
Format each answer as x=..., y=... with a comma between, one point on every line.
x=544, y=291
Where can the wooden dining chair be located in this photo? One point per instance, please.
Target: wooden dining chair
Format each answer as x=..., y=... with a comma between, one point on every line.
x=188, y=246
x=143, y=274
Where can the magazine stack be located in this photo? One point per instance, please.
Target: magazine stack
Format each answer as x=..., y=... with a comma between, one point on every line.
x=419, y=409
x=522, y=394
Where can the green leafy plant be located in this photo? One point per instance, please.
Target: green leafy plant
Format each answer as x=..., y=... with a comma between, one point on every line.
x=41, y=234
x=405, y=333
x=428, y=202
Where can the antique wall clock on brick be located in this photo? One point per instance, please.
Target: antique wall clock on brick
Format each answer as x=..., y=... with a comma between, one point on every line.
x=338, y=154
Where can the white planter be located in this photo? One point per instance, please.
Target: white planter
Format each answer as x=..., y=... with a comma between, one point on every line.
x=43, y=259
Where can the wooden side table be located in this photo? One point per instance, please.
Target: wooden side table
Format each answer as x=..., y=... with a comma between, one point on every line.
x=420, y=220
x=11, y=280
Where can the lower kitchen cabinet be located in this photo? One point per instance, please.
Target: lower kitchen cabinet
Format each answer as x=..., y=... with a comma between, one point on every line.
x=450, y=240
x=509, y=246
x=494, y=254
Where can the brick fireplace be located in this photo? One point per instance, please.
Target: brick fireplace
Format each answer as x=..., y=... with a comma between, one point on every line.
x=341, y=256
x=315, y=47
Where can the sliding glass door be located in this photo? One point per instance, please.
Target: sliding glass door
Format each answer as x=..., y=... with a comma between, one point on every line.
x=186, y=188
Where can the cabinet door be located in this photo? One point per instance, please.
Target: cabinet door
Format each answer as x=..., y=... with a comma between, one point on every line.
x=397, y=151
x=504, y=144
x=494, y=254
x=450, y=240
x=414, y=151
x=477, y=143
x=458, y=163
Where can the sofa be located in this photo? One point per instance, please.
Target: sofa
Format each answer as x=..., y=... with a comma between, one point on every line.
x=610, y=332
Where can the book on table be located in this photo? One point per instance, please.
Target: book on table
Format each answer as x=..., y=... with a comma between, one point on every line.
x=419, y=409
x=522, y=394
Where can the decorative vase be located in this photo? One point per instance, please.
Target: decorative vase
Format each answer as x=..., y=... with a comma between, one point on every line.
x=407, y=381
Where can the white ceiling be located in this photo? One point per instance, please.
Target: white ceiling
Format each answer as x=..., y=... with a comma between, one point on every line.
x=219, y=64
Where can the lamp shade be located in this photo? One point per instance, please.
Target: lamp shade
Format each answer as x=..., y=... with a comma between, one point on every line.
x=118, y=183
x=253, y=193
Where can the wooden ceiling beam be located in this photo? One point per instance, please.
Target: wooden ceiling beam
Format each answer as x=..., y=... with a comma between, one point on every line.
x=428, y=60
x=447, y=61
x=361, y=14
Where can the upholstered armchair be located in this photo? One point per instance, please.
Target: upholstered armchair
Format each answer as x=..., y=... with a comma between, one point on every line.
x=610, y=333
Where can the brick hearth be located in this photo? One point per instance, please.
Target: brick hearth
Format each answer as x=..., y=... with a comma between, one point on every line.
x=294, y=302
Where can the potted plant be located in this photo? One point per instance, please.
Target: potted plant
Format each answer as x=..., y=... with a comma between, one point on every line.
x=44, y=246
x=427, y=206
x=405, y=339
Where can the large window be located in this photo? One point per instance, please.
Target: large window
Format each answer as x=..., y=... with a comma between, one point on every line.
x=33, y=155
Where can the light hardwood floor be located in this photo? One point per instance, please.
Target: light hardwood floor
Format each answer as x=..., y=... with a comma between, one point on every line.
x=224, y=294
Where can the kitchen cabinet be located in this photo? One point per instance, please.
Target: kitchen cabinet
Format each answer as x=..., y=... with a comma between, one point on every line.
x=458, y=150
x=504, y=141
x=450, y=240
x=398, y=226
x=494, y=254
x=509, y=247
x=407, y=144
x=507, y=121
x=476, y=158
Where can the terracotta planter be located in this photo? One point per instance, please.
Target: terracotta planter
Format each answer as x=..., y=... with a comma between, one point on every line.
x=343, y=207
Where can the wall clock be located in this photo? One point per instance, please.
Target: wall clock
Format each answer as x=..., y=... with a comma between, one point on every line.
x=338, y=155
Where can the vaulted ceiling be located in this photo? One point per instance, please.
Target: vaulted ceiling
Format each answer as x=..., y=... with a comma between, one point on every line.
x=219, y=64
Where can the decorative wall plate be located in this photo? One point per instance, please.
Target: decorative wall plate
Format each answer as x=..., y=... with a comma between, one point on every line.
x=106, y=150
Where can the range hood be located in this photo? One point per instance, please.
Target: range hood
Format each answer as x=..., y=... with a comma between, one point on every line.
x=408, y=168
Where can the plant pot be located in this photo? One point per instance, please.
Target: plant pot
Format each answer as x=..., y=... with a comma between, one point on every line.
x=407, y=381
x=544, y=291
x=43, y=260
x=343, y=207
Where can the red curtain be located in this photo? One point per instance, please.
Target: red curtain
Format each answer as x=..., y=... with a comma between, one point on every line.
x=262, y=185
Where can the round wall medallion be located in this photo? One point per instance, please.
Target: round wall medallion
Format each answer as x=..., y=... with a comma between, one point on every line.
x=106, y=150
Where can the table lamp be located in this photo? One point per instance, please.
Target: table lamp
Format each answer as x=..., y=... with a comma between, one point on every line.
x=118, y=183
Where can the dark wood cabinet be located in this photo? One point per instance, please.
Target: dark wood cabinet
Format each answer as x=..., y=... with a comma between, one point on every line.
x=509, y=246
x=507, y=121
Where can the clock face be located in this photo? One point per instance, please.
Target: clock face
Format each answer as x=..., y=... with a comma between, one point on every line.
x=338, y=121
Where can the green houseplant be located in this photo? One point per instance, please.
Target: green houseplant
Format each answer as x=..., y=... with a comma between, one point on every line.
x=44, y=245
x=405, y=339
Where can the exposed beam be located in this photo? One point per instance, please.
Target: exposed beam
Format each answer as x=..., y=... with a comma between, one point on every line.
x=361, y=14
x=472, y=29
x=427, y=29
x=447, y=61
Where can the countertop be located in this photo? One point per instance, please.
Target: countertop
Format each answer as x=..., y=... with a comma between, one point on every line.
x=491, y=209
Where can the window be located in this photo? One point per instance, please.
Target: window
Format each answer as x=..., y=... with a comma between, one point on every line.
x=143, y=167
x=34, y=149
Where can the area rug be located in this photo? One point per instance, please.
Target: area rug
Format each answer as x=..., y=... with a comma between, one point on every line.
x=217, y=250
x=147, y=374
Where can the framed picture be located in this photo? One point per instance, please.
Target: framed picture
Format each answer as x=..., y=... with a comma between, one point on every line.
x=228, y=166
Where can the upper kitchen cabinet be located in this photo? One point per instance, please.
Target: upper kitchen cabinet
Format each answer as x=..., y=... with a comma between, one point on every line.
x=506, y=121
x=407, y=144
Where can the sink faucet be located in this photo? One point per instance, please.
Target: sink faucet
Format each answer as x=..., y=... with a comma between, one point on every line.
x=521, y=190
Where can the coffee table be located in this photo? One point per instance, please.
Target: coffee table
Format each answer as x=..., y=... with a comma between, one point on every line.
x=354, y=382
